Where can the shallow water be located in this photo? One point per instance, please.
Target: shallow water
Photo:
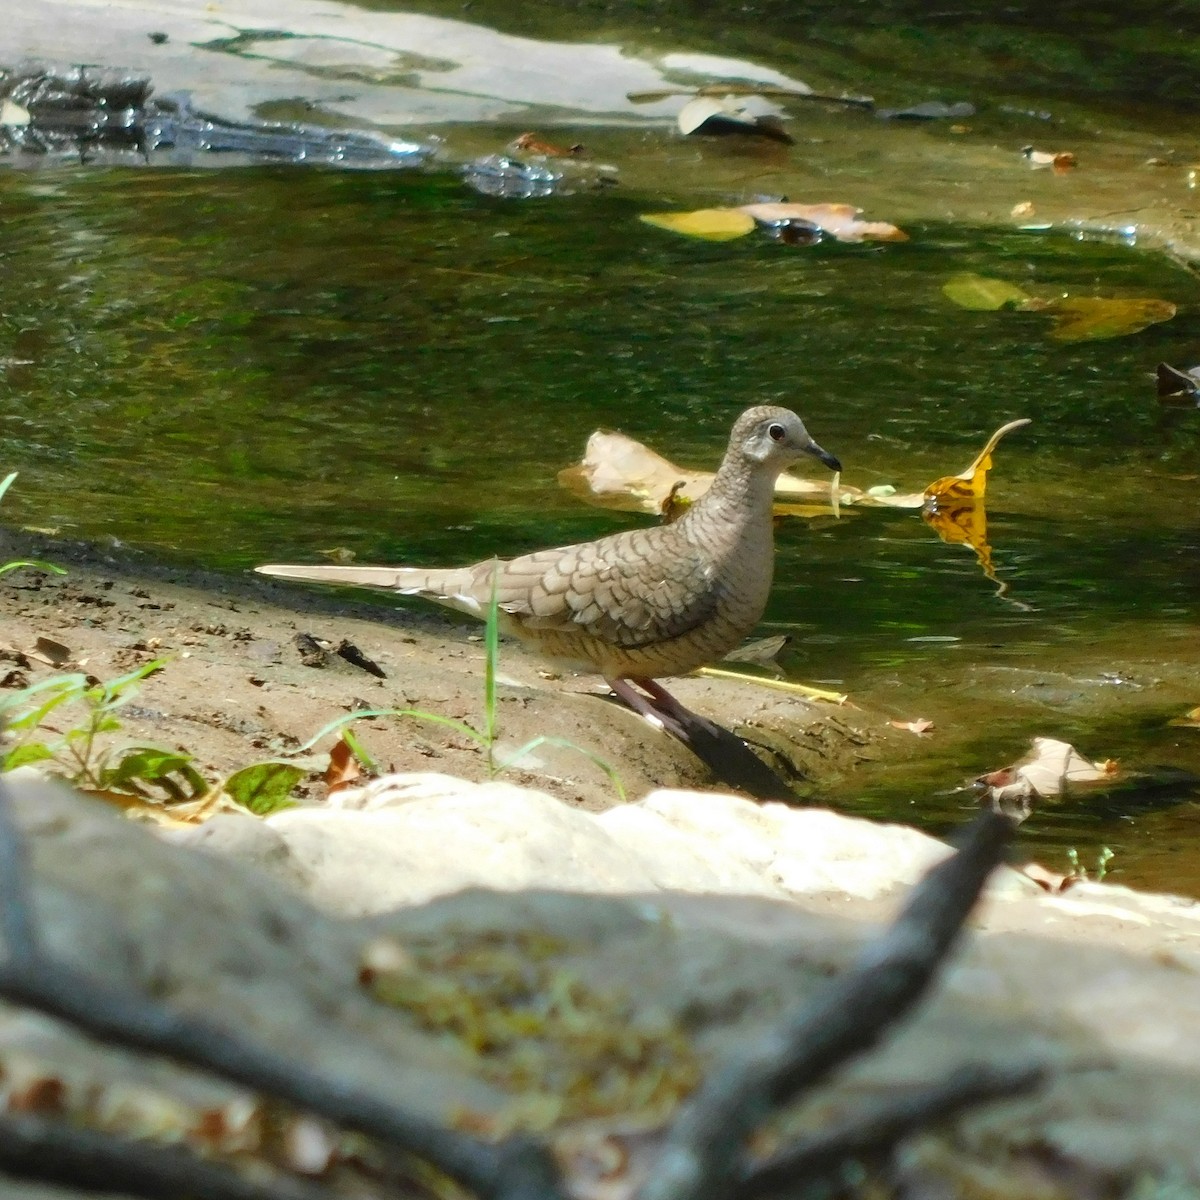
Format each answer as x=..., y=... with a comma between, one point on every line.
x=265, y=363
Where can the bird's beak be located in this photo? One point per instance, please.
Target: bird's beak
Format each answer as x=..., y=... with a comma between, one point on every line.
x=828, y=459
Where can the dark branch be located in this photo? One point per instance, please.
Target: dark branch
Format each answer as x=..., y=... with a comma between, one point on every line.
x=55, y=1152
x=703, y=1154
x=876, y=1131
x=515, y=1170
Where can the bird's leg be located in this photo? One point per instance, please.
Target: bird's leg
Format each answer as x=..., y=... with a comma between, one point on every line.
x=645, y=707
x=667, y=706
x=660, y=706
x=723, y=752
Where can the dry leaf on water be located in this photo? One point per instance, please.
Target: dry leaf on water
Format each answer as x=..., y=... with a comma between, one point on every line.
x=724, y=115
x=1059, y=160
x=972, y=483
x=1093, y=318
x=954, y=506
x=1050, y=771
x=1189, y=720
x=532, y=143
x=840, y=221
x=920, y=726
x=763, y=651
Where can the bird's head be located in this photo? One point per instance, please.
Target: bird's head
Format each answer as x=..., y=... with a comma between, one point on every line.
x=775, y=437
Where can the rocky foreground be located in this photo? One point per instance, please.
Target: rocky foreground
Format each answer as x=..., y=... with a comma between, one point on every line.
x=694, y=917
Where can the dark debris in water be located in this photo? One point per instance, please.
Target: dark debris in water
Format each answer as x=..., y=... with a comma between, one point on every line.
x=930, y=110
x=1178, y=386
x=112, y=116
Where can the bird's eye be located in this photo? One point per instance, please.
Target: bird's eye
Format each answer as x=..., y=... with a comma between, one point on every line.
x=776, y=433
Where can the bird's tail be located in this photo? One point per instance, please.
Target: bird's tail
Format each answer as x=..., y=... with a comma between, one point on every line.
x=464, y=588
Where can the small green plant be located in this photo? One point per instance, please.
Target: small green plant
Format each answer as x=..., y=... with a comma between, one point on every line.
x=77, y=749
x=1078, y=871
x=146, y=772
x=486, y=737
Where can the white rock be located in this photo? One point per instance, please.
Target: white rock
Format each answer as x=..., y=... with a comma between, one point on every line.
x=736, y=825
x=802, y=850
x=678, y=860
x=404, y=839
x=492, y=835
x=391, y=791
x=823, y=851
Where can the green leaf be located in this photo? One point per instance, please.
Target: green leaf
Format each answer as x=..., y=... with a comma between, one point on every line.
x=711, y=224
x=566, y=744
x=65, y=688
x=366, y=714
x=142, y=768
x=264, y=788
x=22, y=756
x=36, y=564
x=6, y=483
x=981, y=294
x=121, y=690
x=359, y=751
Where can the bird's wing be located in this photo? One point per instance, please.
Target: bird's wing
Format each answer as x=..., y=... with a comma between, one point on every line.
x=632, y=589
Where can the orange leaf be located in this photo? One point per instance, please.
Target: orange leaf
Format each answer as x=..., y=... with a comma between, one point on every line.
x=972, y=483
x=343, y=767
x=1092, y=318
x=921, y=725
x=531, y=143
x=1047, y=880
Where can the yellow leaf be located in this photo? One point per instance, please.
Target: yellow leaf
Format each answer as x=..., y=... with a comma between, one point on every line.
x=712, y=224
x=1189, y=720
x=954, y=506
x=1091, y=318
x=981, y=294
x=972, y=483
